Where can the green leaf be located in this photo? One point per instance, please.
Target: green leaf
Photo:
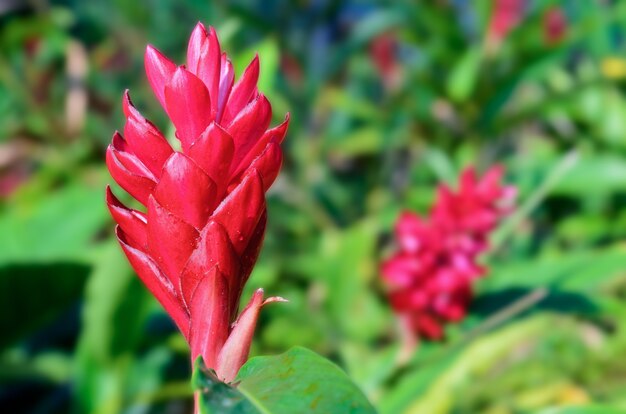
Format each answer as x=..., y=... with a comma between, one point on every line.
x=57, y=226
x=595, y=409
x=435, y=390
x=298, y=381
x=414, y=384
x=463, y=77
x=556, y=175
x=594, y=176
x=348, y=268
x=362, y=141
x=115, y=310
x=586, y=271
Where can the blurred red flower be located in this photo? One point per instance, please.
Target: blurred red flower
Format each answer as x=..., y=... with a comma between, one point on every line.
x=383, y=52
x=554, y=25
x=195, y=245
x=430, y=276
x=505, y=16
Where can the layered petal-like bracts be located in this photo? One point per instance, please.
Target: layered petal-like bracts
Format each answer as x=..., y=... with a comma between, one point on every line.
x=204, y=217
x=430, y=275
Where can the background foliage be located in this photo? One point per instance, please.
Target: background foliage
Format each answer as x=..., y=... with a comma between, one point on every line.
x=547, y=330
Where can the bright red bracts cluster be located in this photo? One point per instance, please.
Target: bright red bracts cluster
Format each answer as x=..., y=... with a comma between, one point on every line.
x=430, y=276
x=205, y=214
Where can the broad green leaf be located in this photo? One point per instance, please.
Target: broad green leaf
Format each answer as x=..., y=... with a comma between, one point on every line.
x=300, y=381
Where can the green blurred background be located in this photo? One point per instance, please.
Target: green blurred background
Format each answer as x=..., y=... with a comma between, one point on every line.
x=387, y=98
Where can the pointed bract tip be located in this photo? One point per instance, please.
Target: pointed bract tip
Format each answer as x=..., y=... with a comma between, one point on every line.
x=110, y=197
x=151, y=51
x=197, y=40
x=281, y=129
x=154, y=59
x=202, y=27
x=127, y=104
x=274, y=299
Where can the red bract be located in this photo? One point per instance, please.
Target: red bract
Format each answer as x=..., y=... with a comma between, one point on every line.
x=195, y=244
x=430, y=276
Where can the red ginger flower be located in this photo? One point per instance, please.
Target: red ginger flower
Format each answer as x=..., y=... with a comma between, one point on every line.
x=430, y=276
x=196, y=244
